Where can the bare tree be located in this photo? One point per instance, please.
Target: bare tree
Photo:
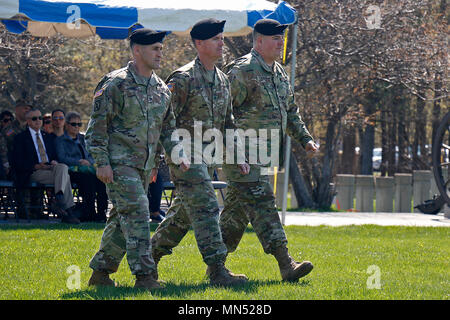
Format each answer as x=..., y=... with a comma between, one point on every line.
x=347, y=50
x=29, y=67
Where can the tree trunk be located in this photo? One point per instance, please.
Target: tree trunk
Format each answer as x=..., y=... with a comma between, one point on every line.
x=367, y=145
x=299, y=186
x=418, y=148
x=392, y=134
x=436, y=117
x=324, y=191
x=384, y=143
x=348, y=151
x=403, y=152
x=368, y=137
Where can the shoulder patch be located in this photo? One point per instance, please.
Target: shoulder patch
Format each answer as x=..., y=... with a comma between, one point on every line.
x=9, y=132
x=171, y=86
x=99, y=93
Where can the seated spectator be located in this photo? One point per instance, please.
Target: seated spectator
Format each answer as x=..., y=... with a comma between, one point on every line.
x=58, y=122
x=6, y=117
x=4, y=164
x=71, y=150
x=47, y=125
x=34, y=159
x=9, y=131
x=4, y=167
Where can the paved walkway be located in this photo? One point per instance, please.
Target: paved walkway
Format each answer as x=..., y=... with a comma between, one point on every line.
x=331, y=219
x=358, y=218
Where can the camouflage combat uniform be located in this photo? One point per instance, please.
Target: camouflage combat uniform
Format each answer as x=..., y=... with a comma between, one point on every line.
x=30, y=197
x=6, y=141
x=130, y=115
x=197, y=96
x=3, y=156
x=262, y=99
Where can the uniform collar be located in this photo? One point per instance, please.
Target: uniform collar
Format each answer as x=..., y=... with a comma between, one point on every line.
x=201, y=68
x=18, y=124
x=261, y=61
x=140, y=79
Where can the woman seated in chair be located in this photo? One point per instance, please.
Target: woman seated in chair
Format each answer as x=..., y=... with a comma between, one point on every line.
x=71, y=150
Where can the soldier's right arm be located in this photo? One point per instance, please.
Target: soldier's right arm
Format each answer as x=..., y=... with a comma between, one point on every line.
x=238, y=87
x=239, y=90
x=107, y=101
x=4, y=152
x=178, y=83
x=165, y=140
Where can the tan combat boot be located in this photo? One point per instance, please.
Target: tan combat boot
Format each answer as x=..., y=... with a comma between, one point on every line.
x=147, y=281
x=157, y=257
x=101, y=278
x=290, y=269
x=219, y=275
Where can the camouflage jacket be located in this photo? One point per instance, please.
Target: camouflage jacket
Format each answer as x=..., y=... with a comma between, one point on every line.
x=199, y=97
x=6, y=141
x=130, y=115
x=263, y=99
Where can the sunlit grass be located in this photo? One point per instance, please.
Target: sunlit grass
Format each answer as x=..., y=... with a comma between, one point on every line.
x=413, y=263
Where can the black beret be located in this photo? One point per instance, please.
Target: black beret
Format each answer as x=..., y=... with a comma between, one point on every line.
x=145, y=36
x=207, y=28
x=269, y=27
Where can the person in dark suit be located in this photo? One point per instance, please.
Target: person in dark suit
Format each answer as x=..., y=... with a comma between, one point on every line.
x=35, y=160
x=71, y=150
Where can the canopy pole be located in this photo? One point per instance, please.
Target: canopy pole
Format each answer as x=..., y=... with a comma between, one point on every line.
x=287, y=157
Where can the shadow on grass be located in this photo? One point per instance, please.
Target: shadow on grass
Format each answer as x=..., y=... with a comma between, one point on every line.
x=56, y=225
x=53, y=225
x=170, y=290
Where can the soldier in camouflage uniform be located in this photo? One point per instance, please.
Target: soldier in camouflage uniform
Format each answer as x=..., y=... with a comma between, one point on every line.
x=7, y=135
x=4, y=156
x=131, y=113
x=201, y=92
x=262, y=99
x=10, y=131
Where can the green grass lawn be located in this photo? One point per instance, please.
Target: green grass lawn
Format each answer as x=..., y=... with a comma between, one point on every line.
x=411, y=263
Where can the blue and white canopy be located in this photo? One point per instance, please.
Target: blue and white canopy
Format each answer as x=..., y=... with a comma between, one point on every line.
x=111, y=19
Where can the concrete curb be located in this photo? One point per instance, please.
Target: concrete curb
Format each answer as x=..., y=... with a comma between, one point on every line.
x=360, y=218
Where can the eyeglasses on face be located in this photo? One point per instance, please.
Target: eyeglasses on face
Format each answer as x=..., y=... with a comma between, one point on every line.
x=36, y=118
x=6, y=120
x=47, y=121
x=58, y=118
x=76, y=124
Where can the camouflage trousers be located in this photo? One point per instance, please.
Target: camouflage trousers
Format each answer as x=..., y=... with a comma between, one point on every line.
x=127, y=228
x=194, y=205
x=252, y=202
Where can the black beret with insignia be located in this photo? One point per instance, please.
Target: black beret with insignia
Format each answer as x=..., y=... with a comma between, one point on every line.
x=146, y=36
x=269, y=27
x=207, y=28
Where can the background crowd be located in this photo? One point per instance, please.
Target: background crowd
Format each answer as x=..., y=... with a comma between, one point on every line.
x=50, y=149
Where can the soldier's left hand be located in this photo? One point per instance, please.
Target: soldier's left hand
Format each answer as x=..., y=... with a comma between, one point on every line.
x=244, y=168
x=184, y=164
x=311, y=148
x=153, y=175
